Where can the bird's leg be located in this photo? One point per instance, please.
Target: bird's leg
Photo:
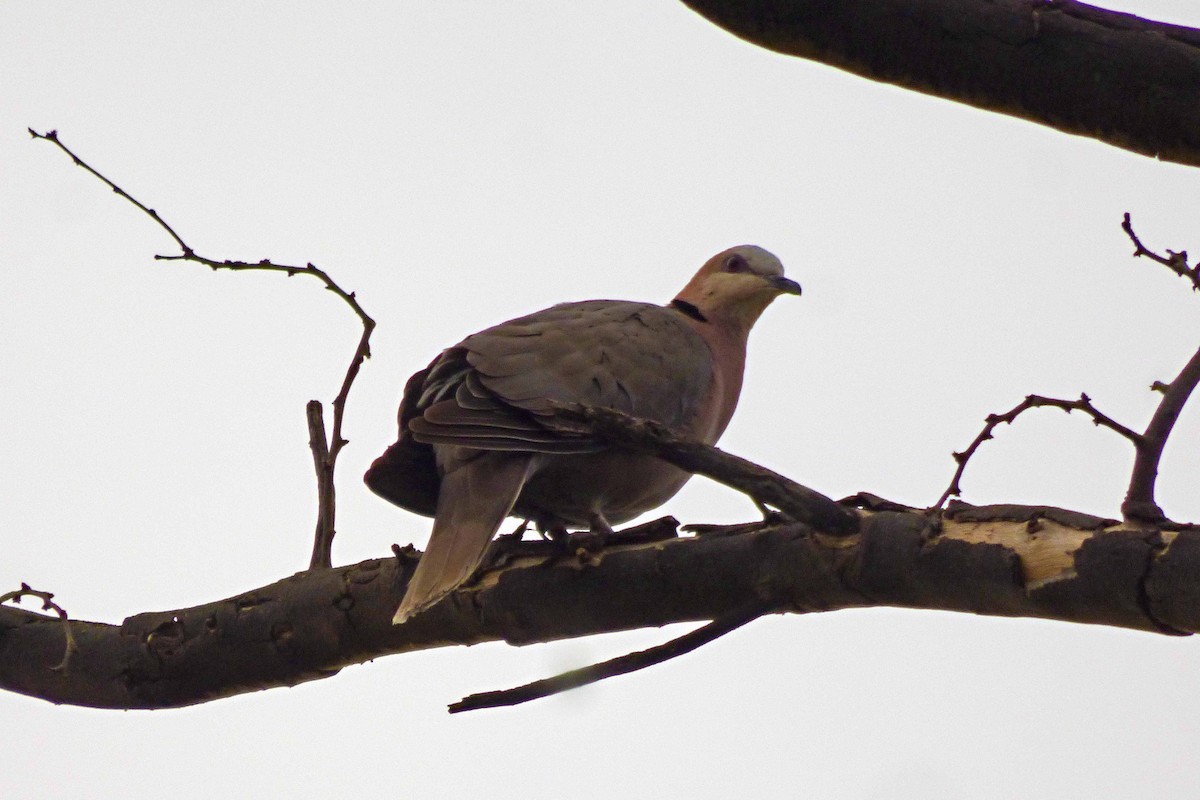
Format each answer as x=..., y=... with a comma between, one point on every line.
x=508, y=546
x=558, y=534
x=599, y=524
x=554, y=534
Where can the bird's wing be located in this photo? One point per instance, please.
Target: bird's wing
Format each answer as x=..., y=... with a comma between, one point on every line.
x=406, y=473
x=494, y=390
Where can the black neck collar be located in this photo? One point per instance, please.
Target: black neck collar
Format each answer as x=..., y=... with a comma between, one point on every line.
x=687, y=309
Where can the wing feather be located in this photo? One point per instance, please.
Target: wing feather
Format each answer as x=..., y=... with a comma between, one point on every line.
x=494, y=390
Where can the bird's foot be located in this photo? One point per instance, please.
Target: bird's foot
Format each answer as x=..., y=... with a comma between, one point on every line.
x=509, y=546
x=586, y=545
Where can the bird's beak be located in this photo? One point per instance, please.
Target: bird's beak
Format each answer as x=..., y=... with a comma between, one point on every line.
x=784, y=285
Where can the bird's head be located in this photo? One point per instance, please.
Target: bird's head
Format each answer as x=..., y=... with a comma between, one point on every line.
x=735, y=286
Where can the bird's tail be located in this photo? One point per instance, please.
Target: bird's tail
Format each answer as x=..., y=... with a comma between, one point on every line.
x=473, y=500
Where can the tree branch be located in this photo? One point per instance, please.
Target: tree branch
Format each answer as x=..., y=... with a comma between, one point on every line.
x=1084, y=404
x=48, y=604
x=1139, y=500
x=621, y=665
x=764, y=486
x=1079, y=69
x=322, y=554
x=1176, y=262
x=324, y=451
x=1000, y=560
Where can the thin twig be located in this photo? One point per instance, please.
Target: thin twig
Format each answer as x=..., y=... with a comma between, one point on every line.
x=1176, y=262
x=617, y=666
x=325, y=487
x=48, y=604
x=1139, y=500
x=1084, y=404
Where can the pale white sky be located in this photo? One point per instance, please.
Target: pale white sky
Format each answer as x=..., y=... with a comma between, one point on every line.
x=457, y=164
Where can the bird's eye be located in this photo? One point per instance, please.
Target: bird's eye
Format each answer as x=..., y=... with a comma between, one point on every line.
x=736, y=263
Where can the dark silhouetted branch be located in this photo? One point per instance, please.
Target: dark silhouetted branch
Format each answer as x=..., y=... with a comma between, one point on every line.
x=1139, y=503
x=1176, y=262
x=1077, y=68
x=1139, y=500
x=326, y=451
x=764, y=486
x=322, y=554
x=622, y=665
x=997, y=560
x=1084, y=404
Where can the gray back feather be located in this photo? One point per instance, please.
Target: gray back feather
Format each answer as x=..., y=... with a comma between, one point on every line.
x=490, y=390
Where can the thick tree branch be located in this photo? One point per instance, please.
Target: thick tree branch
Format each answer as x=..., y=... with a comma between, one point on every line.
x=1130, y=82
x=1003, y=560
x=48, y=604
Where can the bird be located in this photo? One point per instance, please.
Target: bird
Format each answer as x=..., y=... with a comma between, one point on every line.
x=476, y=440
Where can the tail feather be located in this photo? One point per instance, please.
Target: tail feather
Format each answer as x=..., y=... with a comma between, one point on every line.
x=473, y=501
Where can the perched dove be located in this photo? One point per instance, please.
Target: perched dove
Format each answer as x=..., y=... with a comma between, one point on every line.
x=474, y=445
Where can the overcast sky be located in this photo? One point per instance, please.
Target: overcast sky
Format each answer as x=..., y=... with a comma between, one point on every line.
x=457, y=164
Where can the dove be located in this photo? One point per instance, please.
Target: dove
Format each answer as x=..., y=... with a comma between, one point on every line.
x=477, y=441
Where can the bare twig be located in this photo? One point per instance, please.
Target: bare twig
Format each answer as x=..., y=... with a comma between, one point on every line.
x=1176, y=262
x=617, y=666
x=322, y=554
x=329, y=453
x=1139, y=501
x=1084, y=404
x=765, y=487
x=48, y=604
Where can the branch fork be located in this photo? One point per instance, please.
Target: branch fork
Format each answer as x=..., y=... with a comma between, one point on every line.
x=1139, y=504
x=325, y=450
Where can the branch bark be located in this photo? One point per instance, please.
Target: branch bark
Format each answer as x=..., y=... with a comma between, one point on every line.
x=1127, y=81
x=996, y=560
